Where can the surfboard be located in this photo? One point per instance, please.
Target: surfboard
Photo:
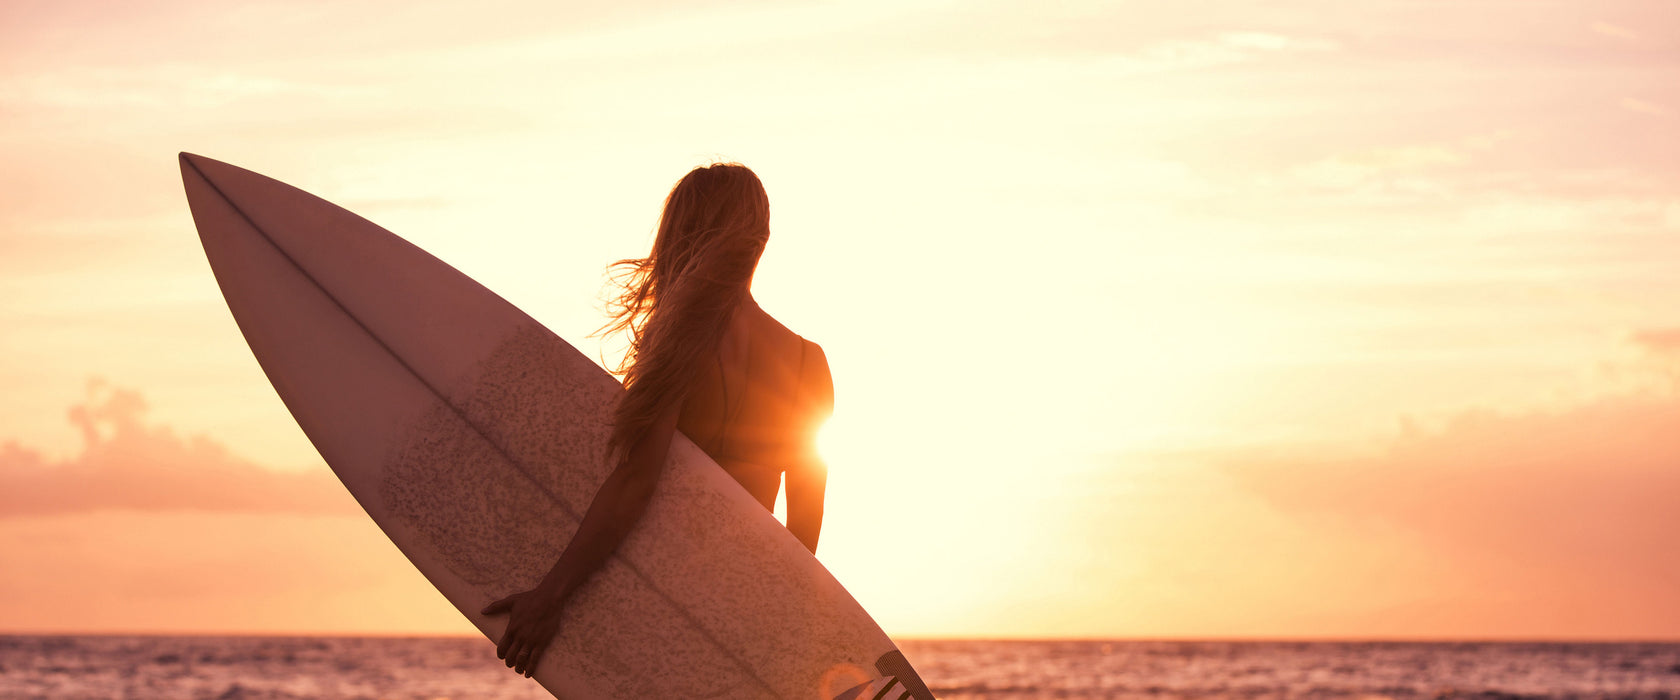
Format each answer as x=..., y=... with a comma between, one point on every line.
x=475, y=438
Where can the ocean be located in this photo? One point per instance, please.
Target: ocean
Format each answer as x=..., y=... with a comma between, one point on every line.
x=237, y=668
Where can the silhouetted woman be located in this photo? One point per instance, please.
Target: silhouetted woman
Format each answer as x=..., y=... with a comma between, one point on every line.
x=703, y=359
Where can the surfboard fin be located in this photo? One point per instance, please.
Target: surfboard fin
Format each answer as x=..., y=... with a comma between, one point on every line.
x=895, y=665
x=898, y=681
x=888, y=688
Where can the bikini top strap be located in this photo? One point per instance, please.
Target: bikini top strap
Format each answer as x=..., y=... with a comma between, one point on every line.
x=729, y=415
x=799, y=386
x=723, y=387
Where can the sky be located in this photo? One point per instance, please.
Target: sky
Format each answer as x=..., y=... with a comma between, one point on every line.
x=1210, y=319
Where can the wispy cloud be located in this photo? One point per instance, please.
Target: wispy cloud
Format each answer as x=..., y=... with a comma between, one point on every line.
x=173, y=86
x=1374, y=165
x=1614, y=30
x=1663, y=341
x=1226, y=48
x=126, y=464
x=1633, y=104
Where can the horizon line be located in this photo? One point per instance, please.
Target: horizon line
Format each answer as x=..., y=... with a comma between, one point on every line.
x=1158, y=639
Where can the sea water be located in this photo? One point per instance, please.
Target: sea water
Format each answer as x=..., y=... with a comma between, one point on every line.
x=460, y=668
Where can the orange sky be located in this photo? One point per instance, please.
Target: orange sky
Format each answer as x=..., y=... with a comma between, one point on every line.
x=1316, y=319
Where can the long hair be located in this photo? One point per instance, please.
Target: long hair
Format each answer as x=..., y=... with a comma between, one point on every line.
x=675, y=302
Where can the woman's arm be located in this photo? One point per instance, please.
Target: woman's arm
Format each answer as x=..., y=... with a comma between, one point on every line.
x=807, y=480
x=805, y=487
x=534, y=616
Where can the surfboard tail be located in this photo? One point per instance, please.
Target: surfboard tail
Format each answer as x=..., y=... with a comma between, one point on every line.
x=898, y=681
x=895, y=665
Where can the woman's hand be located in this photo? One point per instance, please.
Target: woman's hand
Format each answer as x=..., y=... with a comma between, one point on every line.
x=534, y=616
x=533, y=620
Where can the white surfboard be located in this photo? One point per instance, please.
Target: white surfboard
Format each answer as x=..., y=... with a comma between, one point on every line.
x=475, y=438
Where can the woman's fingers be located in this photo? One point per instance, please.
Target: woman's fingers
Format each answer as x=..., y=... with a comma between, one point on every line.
x=509, y=638
x=523, y=642
x=512, y=655
x=536, y=653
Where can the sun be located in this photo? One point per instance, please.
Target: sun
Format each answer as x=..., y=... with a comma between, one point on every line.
x=826, y=446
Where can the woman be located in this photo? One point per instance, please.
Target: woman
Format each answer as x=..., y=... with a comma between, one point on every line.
x=703, y=359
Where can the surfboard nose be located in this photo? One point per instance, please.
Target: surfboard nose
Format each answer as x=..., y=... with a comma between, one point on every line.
x=198, y=184
x=227, y=181
x=209, y=169
x=213, y=211
x=192, y=163
x=224, y=198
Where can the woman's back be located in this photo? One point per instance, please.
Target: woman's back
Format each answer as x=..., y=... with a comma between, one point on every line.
x=756, y=409
x=703, y=359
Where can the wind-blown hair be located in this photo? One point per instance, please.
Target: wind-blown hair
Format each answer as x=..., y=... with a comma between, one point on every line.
x=676, y=302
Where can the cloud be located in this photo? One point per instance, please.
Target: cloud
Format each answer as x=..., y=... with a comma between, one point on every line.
x=145, y=531
x=125, y=571
x=1228, y=48
x=1615, y=31
x=1633, y=104
x=1559, y=520
x=154, y=87
x=1662, y=341
x=126, y=464
x=1263, y=41
x=1378, y=166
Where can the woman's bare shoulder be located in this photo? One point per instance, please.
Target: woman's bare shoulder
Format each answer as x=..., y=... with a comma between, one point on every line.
x=815, y=375
x=812, y=360
x=773, y=330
